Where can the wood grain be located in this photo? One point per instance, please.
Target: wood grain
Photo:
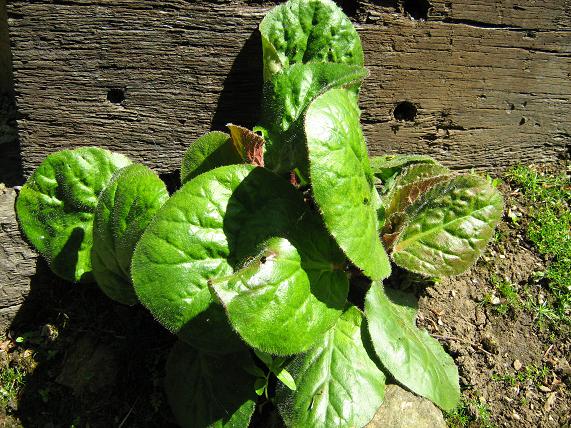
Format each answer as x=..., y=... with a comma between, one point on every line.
x=17, y=261
x=490, y=79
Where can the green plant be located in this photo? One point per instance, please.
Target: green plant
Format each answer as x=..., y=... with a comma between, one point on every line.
x=537, y=375
x=250, y=263
x=508, y=293
x=11, y=382
x=469, y=413
x=548, y=229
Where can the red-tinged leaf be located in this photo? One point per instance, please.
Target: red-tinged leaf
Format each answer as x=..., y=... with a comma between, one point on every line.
x=249, y=144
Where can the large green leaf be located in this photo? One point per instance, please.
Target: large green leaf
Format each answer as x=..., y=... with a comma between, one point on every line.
x=286, y=97
x=210, y=151
x=448, y=226
x=206, y=390
x=214, y=227
x=210, y=331
x=283, y=300
x=125, y=208
x=56, y=205
x=338, y=385
x=402, y=190
x=302, y=31
x=411, y=355
x=342, y=180
x=387, y=166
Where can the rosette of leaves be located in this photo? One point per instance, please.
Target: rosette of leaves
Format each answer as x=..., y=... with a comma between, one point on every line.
x=259, y=275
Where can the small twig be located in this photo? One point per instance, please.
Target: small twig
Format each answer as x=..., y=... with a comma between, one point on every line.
x=479, y=348
x=129, y=413
x=434, y=324
x=547, y=352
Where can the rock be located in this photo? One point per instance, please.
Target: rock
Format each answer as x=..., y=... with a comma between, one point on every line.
x=490, y=344
x=89, y=366
x=563, y=367
x=549, y=402
x=403, y=409
x=517, y=365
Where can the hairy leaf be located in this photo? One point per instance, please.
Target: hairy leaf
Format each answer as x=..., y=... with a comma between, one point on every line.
x=411, y=355
x=447, y=227
x=213, y=228
x=206, y=390
x=401, y=190
x=125, y=208
x=56, y=205
x=388, y=166
x=249, y=144
x=420, y=171
x=286, y=97
x=342, y=180
x=404, y=189
x=302, y=31
x=210, y=151
x=282, y=301
x=338, y=385
x=211, y=332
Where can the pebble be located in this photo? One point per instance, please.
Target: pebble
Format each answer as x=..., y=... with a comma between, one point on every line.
x=549, y=402
x=517, y=365
x=489, y=344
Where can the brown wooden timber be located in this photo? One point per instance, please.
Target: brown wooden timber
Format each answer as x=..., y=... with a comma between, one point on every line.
x=490, y=79
x=17, y=261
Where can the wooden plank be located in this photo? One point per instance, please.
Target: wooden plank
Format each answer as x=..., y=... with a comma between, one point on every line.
x=490, y=80
x=5, y=59
x=17, y=261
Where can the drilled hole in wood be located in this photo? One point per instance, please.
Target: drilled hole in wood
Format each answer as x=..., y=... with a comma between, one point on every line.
x=116, y=95
x=417, y=9
x=405, y=111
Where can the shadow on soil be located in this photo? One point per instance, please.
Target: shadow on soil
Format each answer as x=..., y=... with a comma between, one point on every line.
x=92, y=362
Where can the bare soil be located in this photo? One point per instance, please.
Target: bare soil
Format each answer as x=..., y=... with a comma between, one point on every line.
x=498, y=354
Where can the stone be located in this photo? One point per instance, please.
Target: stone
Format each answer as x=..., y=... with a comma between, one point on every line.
x=403, y=409
x=517, y=365
x=89, y=366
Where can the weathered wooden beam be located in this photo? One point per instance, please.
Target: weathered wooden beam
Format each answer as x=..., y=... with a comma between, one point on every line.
x=488, y=82
x=17, y=261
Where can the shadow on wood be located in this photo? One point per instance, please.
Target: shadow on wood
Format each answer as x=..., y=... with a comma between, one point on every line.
x=245, y=78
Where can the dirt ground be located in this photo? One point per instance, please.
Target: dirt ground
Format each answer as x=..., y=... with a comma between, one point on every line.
x=73, y=358
x=514, y=369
